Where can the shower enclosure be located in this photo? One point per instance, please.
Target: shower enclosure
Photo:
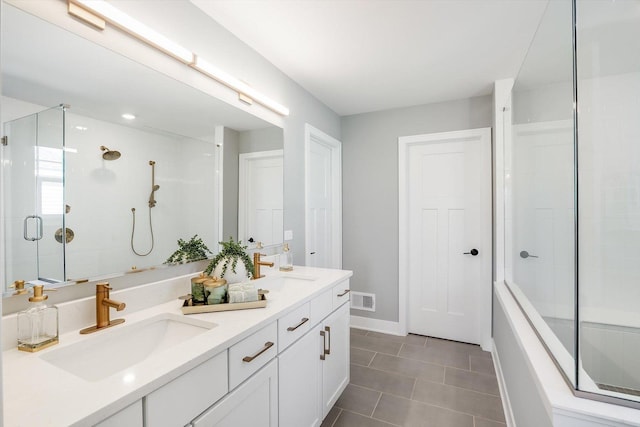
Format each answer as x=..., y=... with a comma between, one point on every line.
x=572, y=194
x=32, y=196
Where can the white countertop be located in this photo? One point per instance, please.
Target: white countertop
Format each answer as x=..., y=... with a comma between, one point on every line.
x=37, y=393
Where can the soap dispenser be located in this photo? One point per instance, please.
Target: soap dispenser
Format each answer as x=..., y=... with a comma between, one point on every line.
x=38, y=325
x=286, y=259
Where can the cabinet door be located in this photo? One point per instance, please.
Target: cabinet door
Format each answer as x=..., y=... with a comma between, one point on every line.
x=299, y=382
x=335, y=366
x=253, y=404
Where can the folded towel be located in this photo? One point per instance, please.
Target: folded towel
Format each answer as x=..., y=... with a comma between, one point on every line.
x=242, y=296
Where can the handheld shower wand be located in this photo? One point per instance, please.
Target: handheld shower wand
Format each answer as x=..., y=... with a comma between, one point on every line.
x=154, y=187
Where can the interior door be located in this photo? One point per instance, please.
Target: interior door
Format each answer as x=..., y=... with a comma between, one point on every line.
x=323, y=215
x=449, y=233
x=33, y=197
x=260, y=183
x=544, y=220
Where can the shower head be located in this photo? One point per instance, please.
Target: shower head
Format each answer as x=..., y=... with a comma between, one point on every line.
x=109, y=154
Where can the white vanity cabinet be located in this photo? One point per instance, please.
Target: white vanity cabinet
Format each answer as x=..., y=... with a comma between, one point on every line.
x=181, y=400
x=252, y=404
x=314, y=371
x=131, y=416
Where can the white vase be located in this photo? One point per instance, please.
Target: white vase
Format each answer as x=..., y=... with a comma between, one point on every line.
x=239, y=276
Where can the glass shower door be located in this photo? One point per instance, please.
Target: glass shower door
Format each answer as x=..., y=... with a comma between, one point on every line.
x=33, y=197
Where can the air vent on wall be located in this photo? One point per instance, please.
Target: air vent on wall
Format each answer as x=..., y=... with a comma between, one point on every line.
x=363, y=301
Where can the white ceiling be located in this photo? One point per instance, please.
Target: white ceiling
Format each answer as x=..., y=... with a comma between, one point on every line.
x=367, y=55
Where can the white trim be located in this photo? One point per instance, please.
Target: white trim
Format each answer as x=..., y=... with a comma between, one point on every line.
x=502, y=386
x=501, y=132
x=243, y=194
x=219, y=161
x=404, y=142
x=376, y=325
x=318, y=136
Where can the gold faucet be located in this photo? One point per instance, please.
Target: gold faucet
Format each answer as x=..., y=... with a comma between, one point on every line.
x=103, y=305
x=257, y=263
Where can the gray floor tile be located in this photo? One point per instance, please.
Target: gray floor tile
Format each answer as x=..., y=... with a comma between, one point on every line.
x=361, y=357
x=482, y=365
x=350, y=419
x=483, y=383
x=409, y=339
x=459, y=399
x=479, y=422
x=331, y=417
x=358, y=399
x=440, y=356
x=359, y=331
x=379, y=345
x=460, y=347
x=385, y=382
x=408, y=367
x=407, y=412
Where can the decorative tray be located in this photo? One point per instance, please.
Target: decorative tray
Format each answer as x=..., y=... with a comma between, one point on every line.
x=195, y=309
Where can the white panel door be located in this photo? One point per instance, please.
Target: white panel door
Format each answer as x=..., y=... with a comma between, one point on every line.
x=323, y=215
x=543, y=191
x=449, y=233
x=260, y=210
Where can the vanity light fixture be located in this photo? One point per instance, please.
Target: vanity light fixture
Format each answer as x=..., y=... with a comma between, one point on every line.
x=93, y=11
x=238, y=85
x=136, y=28
x=128, y=116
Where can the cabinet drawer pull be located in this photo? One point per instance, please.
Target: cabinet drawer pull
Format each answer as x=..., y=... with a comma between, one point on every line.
x=328, y=329
x=267, y=346
x=302, y=322
x=324, y=345
x=346, y=291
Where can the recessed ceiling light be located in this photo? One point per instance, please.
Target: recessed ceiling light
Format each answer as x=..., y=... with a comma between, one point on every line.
x=81, y=128
x=128, y=116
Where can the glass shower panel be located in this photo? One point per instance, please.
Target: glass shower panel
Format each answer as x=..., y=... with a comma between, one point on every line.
x=608, y=79
x=539, y=186
x=33, y=200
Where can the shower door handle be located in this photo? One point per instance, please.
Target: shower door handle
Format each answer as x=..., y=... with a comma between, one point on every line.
x=26, y=227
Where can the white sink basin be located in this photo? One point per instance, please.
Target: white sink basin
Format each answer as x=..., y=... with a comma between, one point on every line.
x=120, y=347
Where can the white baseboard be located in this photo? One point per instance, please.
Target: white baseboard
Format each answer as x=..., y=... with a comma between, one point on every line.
x=376, y=325
x=506, y=404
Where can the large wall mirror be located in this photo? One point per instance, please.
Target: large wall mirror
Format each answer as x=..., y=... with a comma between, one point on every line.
x=87, y=193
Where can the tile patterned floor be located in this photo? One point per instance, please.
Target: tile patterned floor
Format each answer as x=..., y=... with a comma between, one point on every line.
x=416, y=381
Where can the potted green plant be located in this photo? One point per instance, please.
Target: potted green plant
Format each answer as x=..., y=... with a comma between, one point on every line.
x=193, y=250
x=229, y=255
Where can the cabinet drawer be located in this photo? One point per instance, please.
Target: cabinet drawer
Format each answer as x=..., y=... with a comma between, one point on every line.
x=250, y=354
x=180, y=401
x=321, y=307
x=292, y=326
x=131, y=416
x=340, y=294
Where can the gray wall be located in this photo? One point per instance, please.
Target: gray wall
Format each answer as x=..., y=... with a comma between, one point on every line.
x=260, y=140
x=370, y=189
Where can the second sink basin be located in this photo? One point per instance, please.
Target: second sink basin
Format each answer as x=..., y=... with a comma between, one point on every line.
x=101, y=356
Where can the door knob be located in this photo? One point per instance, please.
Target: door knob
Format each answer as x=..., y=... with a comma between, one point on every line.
x=473, y=252
x=525, y=255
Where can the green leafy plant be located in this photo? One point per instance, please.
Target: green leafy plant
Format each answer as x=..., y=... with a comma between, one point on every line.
x=193, y=250
x=229, y=255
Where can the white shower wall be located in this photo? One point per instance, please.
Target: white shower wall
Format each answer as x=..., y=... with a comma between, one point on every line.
x=102, y=193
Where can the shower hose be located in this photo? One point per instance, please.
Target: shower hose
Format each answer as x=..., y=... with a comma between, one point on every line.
x=133, y=232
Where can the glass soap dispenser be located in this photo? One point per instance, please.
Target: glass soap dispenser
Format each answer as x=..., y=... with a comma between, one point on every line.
x=37, y=325
x=286, y=259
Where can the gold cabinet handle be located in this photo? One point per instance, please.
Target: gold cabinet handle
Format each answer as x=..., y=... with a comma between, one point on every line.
x=325, y=350
x=266, y=347
x=324, y=345
x=346, y=291
x=302, y=322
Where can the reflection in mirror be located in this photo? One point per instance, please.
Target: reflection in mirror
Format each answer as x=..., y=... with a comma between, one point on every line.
x=539, y=193
x=69, y=199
